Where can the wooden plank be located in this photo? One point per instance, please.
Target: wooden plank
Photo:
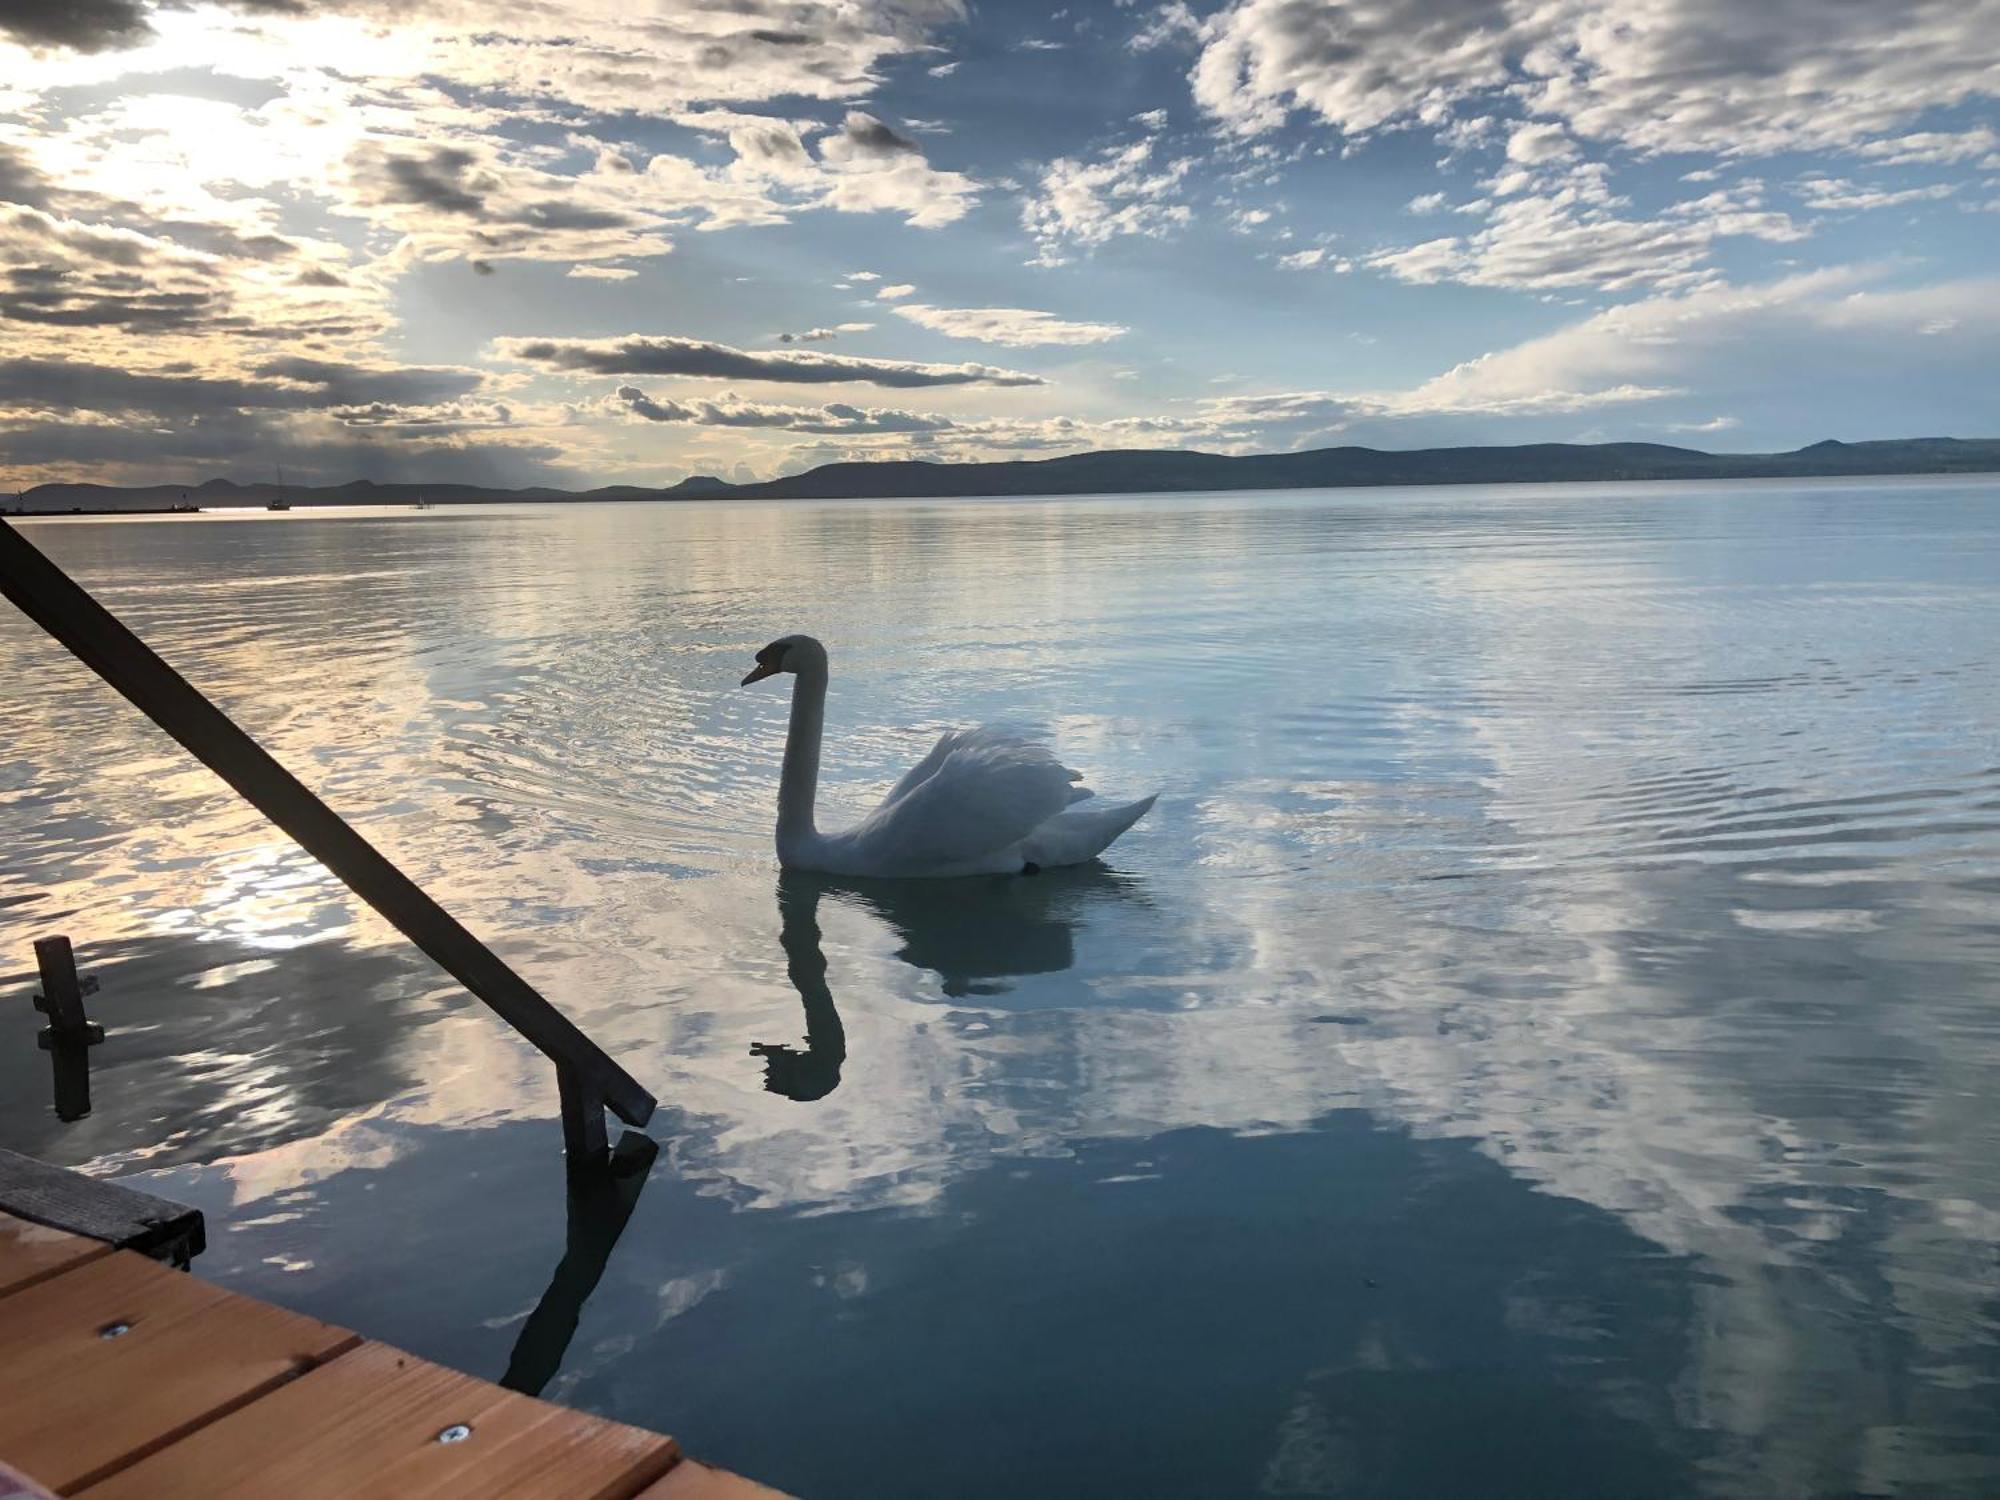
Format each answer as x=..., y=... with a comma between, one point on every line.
x=76, y=1405
x=692, y=1481
x=99, y=1208
x=57, y=603
x=31, y=1252
x=368, y=1425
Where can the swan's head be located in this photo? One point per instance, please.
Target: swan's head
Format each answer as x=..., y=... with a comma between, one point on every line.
x=790, y=653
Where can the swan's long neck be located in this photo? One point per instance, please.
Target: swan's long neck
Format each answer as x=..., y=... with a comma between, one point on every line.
x=798, y=783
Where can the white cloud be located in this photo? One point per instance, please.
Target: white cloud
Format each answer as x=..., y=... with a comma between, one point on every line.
x=1569, y=231
x=469, y=199
x=1935, y=147
x=1357, y=66
x=1668, y=361
x=1744, y=348
x=1088, y=203
x=80, y=288
x=871, y=168
x=657, y=354
x=1751, y=80
x=1443, y=259
x=1534, y=144
x=1322, y=410
x=430, y=135
x=1317, y=256
x=1018, y=327
x=379, y=111
x=1172, y=24
x=614, y=58
x=730, y=410
x=1695, y=75
x=1836, y=194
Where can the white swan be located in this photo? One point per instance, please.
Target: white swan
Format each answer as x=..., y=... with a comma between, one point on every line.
x=984, y=801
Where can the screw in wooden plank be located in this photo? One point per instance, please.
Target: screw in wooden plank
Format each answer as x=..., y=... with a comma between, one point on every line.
x=458, y=1432
x=114, y=1330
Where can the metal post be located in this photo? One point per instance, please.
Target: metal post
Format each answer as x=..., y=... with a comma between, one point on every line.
x=584, y=1137
x=61, y=999
x=70, y=1034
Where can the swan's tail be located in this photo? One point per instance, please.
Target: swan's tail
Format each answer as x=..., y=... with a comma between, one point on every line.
x=1081, y=832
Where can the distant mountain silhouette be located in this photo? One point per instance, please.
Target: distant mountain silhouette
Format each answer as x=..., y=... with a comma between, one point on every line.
x=1124, y=471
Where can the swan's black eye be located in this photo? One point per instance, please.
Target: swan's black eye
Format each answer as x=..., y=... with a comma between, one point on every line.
x=772, y=655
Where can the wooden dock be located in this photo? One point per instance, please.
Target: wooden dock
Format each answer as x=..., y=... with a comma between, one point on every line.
x=124, y=1379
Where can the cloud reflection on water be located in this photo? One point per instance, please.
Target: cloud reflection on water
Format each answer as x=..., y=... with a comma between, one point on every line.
x=1646, y=845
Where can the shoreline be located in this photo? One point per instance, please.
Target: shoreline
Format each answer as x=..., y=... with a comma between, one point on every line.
x=1116, y=471
x=667, y=497
x=78, y=510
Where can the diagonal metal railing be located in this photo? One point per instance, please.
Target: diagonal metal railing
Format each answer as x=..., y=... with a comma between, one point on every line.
x=588, y=1080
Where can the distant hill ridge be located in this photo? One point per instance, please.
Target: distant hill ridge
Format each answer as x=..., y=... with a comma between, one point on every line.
x=1124, y=471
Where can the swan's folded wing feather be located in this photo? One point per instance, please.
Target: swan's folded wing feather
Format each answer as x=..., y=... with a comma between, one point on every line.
x=985, y=789
x=924, y=769
x=1079, y=833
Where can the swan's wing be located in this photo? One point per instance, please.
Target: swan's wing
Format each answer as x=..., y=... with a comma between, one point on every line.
x=1079, y=834
x=980, y=790
x=923, y=770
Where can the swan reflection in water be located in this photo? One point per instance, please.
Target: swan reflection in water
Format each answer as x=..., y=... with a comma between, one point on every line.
x=815, y=1072
x=975, y=933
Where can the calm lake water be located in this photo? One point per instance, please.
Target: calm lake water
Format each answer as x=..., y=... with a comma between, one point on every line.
x=1545, y=1042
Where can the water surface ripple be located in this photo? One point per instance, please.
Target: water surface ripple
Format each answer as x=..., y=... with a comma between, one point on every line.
x=1545, y=1042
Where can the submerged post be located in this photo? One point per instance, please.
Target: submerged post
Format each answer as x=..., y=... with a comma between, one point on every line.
x=590, y=1081
x=61, y=999
x=71, y=1033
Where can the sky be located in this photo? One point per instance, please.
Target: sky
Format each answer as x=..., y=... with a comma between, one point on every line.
x=585, y=242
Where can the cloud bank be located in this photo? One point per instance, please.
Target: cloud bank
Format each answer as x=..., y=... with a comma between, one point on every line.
x=730, y=410
x=639, y=354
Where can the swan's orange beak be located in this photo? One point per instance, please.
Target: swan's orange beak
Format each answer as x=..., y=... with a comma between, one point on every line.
x=757, y=674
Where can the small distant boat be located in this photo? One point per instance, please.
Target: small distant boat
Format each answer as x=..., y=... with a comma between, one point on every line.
x=421, y=503
x=279, y=502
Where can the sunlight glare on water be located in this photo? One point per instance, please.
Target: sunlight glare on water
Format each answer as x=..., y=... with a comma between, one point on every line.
x=1544, y=1041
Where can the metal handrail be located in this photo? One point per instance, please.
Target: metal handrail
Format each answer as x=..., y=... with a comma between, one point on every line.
x=589, y=1081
